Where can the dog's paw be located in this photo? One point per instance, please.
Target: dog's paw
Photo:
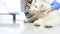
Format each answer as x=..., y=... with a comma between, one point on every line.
x=25, y=21
x=48, y=26
x=28, y=21
x=37, y=25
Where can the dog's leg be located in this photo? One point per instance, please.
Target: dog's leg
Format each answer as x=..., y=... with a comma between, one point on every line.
x=32, y=19
x=39, y=22
x=49, y=23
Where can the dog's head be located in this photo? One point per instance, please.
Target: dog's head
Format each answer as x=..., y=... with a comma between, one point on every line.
x=39, y=7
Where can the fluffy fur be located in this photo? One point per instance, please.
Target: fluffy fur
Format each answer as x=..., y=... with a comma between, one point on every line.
x=41, y=17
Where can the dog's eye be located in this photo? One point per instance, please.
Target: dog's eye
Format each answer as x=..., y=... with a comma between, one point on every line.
x=35, y=6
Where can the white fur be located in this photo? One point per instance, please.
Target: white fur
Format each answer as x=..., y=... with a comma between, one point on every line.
x=42, y=17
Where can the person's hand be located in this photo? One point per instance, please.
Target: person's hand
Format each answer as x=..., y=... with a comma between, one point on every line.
x=28, y=14
x=48, y=10
x=31, y=14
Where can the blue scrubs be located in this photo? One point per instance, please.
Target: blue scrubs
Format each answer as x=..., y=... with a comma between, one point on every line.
x=55, y=5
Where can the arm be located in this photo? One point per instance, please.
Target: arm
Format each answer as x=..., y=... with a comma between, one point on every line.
x=54, y=6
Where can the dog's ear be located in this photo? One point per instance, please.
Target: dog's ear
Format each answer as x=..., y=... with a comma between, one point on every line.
x=42, y=7
x=45, y=6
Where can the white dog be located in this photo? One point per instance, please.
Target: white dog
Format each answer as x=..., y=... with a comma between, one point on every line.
x=41, y=17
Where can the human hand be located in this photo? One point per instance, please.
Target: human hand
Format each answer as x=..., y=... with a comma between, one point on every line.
x=31, y=14
x=48, y=10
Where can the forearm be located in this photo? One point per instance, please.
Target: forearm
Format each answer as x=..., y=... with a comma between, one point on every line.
x=55, y=6
x=48, y=10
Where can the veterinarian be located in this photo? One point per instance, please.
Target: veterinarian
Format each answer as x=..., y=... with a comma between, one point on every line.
x=55, y=5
